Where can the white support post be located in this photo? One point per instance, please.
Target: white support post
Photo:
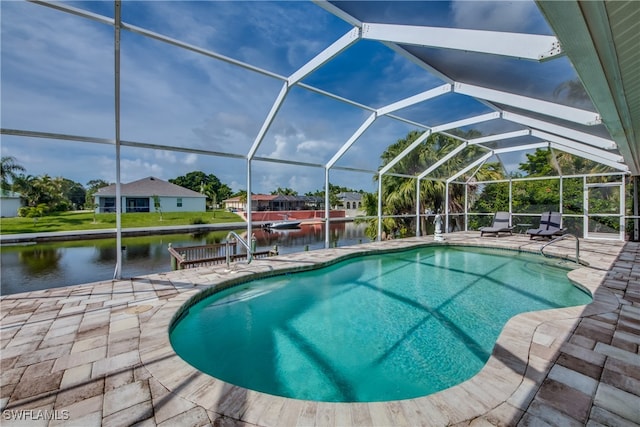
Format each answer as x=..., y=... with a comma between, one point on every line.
x=623, y=203
x=446, y=208
x=561, y=196
x=379, y=207
x=466, y=206
x=327, y=210
x=510, y=197
x=117, y=274
x=249, y=201
x=585, y=207
x=417, y=207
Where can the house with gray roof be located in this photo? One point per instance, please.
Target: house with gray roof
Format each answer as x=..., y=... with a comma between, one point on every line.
x=351, y=202
x=138, y=196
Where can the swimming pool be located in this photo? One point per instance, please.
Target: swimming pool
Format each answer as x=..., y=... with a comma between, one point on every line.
x=372, y=328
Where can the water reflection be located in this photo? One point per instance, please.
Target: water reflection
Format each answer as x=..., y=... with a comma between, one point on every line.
x=38, y=260
x=33, y=267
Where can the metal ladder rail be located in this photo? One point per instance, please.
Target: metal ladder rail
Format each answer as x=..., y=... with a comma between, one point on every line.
x=243, y=242
x=559, y=238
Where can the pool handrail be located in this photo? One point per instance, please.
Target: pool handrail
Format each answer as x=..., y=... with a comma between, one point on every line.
x=237, y=238
x=559, y=238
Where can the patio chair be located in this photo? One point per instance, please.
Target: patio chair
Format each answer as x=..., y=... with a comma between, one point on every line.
x=501, y=224
x=550, y=225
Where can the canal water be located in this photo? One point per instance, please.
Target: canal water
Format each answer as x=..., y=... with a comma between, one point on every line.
x=33, y=267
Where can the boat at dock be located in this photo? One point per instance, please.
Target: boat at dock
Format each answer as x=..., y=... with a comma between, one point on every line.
x=284, y=224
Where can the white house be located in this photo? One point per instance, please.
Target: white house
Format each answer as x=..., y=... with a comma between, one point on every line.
x=9, y=204
x=138, y=196
x=349, y=201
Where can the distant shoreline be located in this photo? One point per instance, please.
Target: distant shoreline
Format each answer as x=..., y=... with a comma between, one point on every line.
x=58, y=236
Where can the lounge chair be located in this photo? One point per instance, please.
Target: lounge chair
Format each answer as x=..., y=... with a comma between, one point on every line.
x=501, y=224
x=550, y=225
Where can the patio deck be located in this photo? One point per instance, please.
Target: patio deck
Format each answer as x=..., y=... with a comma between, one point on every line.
x=98, y=354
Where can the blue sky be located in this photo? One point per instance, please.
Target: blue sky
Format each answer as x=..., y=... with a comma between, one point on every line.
x=57, y=76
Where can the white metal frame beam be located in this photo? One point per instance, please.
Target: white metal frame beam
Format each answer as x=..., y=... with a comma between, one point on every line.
x=444, y=159
x=363, y=127
x=586, y=138
x=525, y=147
x=589, y=156
x=524, y=46
x=326, y=55
x=435, y=129
x=578, y=145
x=415, y=99
x=529, y=104
x=499, y=137
x=406, y=151
x=478, y=162
x=466, y=122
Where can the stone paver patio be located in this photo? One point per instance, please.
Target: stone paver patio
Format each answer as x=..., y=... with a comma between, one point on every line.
x=99, y=354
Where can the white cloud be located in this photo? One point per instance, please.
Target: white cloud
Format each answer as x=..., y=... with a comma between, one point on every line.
x=190, y=159
x=512, y=16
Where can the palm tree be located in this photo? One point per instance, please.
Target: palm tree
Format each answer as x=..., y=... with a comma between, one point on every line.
x=399, y=193
x=8, y=169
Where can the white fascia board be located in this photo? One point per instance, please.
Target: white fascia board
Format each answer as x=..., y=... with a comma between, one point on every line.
x=525, y=147
x=415, y=99
x=406, y=151
x=466, y=122
x=529, y=104
x=325, y=56
x=589, y=156
x=481, y=160
x=577, y=144
x=518, y=45
x=443, y=160
x=585, y=138
x=363, y=127
x=500, y=136
x=269, y=120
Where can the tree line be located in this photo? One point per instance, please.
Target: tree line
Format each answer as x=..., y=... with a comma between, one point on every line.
x=43, y=194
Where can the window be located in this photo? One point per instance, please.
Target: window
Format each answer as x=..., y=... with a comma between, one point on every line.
x=109, y=204
x=179, y=200
x=135, y=204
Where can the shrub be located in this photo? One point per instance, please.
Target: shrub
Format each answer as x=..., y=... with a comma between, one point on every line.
x=198, y=220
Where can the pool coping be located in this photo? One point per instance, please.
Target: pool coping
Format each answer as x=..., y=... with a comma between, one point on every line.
x=503, y=389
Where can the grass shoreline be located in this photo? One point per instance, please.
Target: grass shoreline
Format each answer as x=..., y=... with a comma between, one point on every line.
x=87, y=221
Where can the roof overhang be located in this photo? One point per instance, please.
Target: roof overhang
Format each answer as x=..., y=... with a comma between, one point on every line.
x=602, y=39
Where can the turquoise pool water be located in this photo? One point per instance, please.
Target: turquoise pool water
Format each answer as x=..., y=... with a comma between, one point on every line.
x=374, y=328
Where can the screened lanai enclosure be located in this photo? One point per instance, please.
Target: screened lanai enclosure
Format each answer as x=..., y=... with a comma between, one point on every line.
x=462, y=108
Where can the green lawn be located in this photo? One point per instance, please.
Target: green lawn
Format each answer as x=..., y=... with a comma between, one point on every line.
x=84, y=220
